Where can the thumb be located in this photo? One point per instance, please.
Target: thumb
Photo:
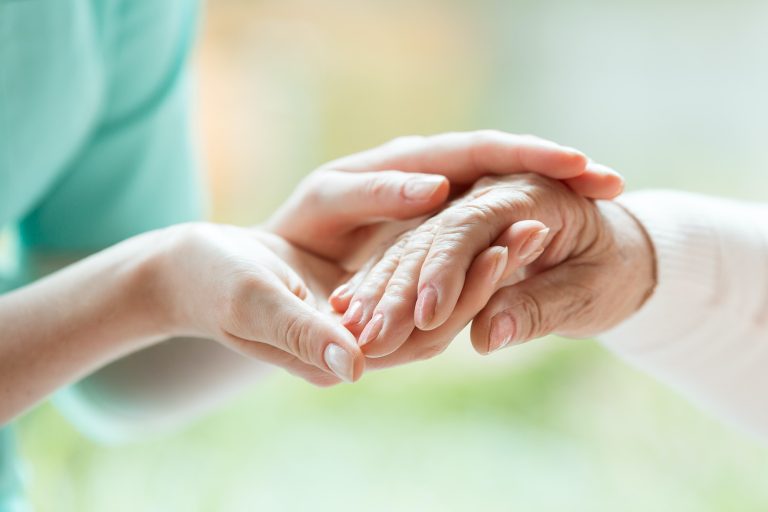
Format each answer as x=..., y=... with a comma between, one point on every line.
x=275, y=310
x=556, y=300
x=312, y=336
x=360, y=198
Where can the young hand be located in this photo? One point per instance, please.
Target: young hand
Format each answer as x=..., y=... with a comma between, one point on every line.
x=254, y=293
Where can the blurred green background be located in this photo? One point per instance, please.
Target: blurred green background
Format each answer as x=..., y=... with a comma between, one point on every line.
x=672, y=94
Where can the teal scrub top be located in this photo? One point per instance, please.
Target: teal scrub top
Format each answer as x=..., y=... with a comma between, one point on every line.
x=95, y=136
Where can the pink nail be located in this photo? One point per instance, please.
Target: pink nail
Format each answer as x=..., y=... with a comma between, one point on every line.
x=339, y=361
x=502, y=331
x=500, y=265
x=353, y=314
x=372, y=330
x=421, y=189
x=341, y=291
x=533, y=244
x=426, y=304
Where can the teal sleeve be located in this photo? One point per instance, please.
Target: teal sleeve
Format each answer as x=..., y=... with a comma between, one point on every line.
x=138, y=169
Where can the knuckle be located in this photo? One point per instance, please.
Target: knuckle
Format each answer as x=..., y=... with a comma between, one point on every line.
x=298, y=338
x=445, y=253
x=468, y=214
x=535, y=323
x=378, y=188
x=400, y=288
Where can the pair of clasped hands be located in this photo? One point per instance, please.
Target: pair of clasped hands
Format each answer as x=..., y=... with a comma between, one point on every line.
x=382, y=257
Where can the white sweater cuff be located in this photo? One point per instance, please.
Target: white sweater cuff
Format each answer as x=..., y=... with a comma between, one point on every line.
x=705, y=328
x=687, y=262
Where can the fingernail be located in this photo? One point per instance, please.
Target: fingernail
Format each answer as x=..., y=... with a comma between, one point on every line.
x=339, y=361
x=533, y=244
x=426, y=304
x=353, y=314
x=500, y=265
x=502, y=331
x=372, y=330
x=420, y=189
x=341, y=291
x=575, y=152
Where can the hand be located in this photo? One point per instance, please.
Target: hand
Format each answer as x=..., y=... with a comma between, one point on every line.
x=347, y=208
x=433, y=260
x=256, y=294
x=586, y=293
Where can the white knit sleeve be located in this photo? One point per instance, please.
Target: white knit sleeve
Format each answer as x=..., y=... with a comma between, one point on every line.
x=705, y=328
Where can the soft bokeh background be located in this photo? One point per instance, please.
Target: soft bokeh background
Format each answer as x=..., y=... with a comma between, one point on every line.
x=673, y=94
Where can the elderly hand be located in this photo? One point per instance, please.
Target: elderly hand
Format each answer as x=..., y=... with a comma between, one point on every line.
x=593, y=267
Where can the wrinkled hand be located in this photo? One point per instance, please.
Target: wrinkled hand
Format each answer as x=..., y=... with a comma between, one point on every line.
x=584, y=266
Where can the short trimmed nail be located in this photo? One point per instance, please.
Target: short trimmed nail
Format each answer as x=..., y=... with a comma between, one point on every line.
x=372, y=330
x=339, y=361
x=533, y=244
x=353, y=314
x=574, y=151
x=421, y=189
x=502, y=331
x=426, y=304
x=500, y=264
x=341, y=291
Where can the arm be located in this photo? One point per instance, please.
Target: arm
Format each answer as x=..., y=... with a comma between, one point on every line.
x=196, y=280
x=51, y=334
x=705, y=328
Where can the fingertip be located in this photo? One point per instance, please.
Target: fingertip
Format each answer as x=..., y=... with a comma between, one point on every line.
x=478, y=334
x=574, y=160
x=340, y=298
x=345, y=360
x=421, y=189
x=598, y=182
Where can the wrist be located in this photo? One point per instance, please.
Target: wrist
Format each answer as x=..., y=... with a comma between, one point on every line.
x=635, y=257
x=145, y=276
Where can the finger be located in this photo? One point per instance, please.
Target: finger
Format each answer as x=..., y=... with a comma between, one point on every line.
x=370, y=287
x=597, y=182
x=392, y=320
x=370, y=197
x=482, y=282
x=525, y=241
x=341, y=297
x=554, y=300
x=464, y=232
x=270, y=308
x=286, y=361
x=463, y=157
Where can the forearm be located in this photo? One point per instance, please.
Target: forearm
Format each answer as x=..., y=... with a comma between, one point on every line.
x=158, y=386
x=704, y=330
x=68, y=324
